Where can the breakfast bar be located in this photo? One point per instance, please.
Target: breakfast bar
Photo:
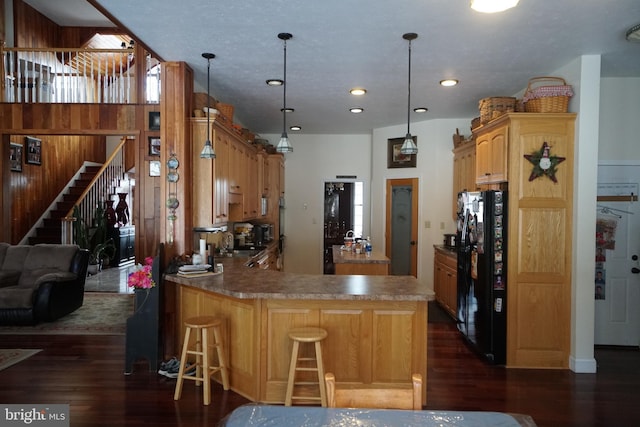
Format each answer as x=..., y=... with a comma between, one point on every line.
x=377, y=325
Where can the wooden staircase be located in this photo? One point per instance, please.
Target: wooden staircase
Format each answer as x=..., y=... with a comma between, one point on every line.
x=51, y=231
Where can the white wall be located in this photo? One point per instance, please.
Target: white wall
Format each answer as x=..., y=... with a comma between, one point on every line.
x=619, y=119
x=316, y=159
x=434, y=170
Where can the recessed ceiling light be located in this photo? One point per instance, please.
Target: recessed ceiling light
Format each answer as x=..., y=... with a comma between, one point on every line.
x=356, y=110
x=275, y=82
x=420, y=110
x=287, y=110
x=295, y=127
x=448, y=82
x=492, y=6
x=357, y=91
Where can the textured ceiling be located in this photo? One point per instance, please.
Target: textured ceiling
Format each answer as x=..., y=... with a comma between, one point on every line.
x=339, y=44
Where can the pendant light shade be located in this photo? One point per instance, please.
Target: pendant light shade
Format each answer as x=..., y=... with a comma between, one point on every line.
x=207, y=151
x=408, y=146
x=284, y=145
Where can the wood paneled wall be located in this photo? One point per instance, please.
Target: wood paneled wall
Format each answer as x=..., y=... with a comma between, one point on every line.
x=32, y=29
x=33, y=189
x=65, y=127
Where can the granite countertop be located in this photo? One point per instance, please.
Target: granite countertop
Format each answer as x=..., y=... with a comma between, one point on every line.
x=350, y=257
x=240, y=281
x=446, y=250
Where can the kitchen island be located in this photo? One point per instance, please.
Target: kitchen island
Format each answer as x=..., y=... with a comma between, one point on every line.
x=377, y=325
x=349, y=262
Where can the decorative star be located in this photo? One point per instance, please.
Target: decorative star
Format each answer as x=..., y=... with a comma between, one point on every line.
x=544, y=163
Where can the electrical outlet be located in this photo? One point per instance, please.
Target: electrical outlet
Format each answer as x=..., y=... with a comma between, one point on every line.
x=442, y=226
x=427, y=224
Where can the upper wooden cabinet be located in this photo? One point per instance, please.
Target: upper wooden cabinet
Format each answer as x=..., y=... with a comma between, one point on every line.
x=491, y=154
x=464, y=171
x=230, y=187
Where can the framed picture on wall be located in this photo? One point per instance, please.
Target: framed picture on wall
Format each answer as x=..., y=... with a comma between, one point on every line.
x=15, y=157
x=34, y=150
x=154, y=146
x=154, y=120
x=395, y=159
x=154, y=168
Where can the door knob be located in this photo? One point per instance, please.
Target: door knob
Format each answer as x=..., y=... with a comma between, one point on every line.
x=634, y=257
x=635, y=270
x=412, y=243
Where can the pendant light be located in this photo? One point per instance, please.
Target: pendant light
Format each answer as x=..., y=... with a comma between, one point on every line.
x=408, y=146
x=284, y=146
x=207, y=151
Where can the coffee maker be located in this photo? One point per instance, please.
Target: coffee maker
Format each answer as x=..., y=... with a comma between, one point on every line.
x=262, y=234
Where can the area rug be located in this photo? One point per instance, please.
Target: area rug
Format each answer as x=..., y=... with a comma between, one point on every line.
x=9, y=357
x=100, y=314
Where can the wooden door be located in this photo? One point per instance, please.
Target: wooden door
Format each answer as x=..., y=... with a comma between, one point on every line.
x=617, y=319
x=401, y=230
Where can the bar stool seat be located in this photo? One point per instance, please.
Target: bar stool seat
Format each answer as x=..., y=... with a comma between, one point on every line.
x=303, y=336
x=201, y=325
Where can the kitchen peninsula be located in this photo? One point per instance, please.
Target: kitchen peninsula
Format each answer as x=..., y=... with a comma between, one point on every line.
x=349, y=262
x=377, y=325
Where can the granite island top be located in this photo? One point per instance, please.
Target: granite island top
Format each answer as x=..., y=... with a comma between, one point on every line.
x=350, y=257
x=240, y=281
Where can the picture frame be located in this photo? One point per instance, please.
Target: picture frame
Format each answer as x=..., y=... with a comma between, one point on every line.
x=34, y=150
x=154, y=145
x=15, y=157
x=154, y=120
x=395, y=159
x=154, y=168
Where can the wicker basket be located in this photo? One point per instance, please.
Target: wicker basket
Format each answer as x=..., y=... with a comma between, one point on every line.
x=226, y=110
x=495, y=106
x=547, y=98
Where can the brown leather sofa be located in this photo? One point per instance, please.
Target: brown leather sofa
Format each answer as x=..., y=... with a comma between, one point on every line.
x=40, y=283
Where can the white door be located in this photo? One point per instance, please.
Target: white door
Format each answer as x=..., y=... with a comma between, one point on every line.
x=617, y=309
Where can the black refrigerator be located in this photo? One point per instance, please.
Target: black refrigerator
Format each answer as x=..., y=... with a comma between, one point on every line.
x=482, y=272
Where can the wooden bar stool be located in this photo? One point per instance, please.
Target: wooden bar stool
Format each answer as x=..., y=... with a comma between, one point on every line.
x=203, y=373
x=306, y=335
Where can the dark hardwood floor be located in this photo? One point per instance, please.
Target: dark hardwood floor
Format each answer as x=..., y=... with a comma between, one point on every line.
x=87, y=373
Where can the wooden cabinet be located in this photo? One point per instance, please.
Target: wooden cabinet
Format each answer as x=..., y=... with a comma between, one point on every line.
x=491, y=155
x=210, y=177
x=464, y=171
x=237, y=165
x=124, y=239
x=445, y=280
x=252, y=193
x=230, y=187
x=368, y=342
x=221, y=143
x=539, y=232
x=274, y=187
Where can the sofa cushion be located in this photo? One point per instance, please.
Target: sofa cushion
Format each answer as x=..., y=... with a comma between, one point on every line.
x=16, y=297
x=3, y=251
x=58, y=276
x=15, y=257
x=45, y=255
x=9, y=277
x=32, y=278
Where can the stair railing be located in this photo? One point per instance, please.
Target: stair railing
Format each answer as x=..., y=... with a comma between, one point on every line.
x=96, y=192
